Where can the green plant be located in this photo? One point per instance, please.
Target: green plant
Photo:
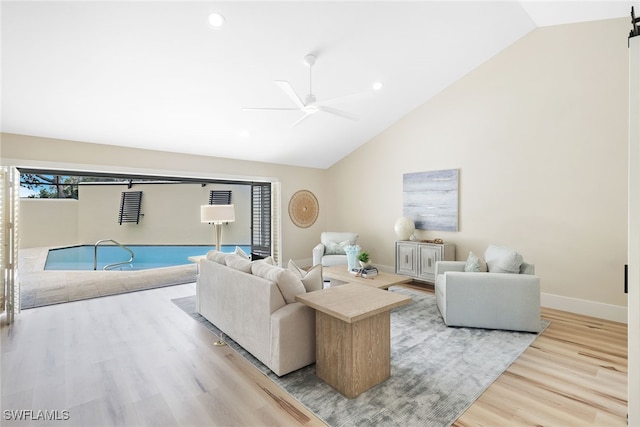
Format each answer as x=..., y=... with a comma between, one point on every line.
x=363, y=256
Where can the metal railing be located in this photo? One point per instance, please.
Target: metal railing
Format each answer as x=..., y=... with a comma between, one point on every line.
x=108, y=266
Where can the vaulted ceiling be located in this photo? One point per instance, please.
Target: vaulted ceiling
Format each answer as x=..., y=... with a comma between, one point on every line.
x=157, y=75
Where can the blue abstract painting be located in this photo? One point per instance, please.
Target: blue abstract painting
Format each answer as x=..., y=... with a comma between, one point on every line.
x=431, y=199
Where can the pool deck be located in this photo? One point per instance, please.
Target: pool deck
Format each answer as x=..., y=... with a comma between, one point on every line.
x=39, y=287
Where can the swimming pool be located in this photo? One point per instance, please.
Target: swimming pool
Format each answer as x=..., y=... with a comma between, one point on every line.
x=145, y=256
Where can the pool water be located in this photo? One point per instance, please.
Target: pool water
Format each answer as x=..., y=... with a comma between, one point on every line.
x=145, y=256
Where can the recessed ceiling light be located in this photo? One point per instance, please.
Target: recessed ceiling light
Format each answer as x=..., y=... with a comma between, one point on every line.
x=244, y=134
x=377, y=86
x=216, y=20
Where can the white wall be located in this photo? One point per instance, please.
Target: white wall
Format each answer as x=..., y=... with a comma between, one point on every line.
x=48, y=222
x=539, y=134
x=633, y=396
x=171, y=214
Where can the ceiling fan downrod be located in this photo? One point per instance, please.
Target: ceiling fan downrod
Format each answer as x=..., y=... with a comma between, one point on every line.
x=309, y=61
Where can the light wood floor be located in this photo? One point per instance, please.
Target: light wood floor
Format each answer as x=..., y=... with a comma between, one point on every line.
x=137, y=360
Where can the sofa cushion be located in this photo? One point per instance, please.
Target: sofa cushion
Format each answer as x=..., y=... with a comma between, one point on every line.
x=502, y=260
x=267, y=260
x=335, y=248
x=311, y=279
x=527, y=268
x=334, y=242
x=289, y=284
x=238, y=262
x=241, y=253
x=217, y=256
x=474, y=263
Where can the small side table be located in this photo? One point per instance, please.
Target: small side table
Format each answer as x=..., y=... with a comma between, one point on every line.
x=196, y=259
x=353, y=335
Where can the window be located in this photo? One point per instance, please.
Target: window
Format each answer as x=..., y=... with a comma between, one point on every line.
x=261, y=219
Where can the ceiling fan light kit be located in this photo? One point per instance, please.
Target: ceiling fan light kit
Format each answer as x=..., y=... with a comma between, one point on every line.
x=216, y=20
x=309, y=60
x=310, y=105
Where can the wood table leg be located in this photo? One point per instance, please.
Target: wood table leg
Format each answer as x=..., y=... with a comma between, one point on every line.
x=353, y=357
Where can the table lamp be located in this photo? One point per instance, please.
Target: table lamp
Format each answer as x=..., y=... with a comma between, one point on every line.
x=217, y=214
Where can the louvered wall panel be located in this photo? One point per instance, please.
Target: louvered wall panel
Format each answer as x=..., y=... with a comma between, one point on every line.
x=130, y=203
x=220, y=197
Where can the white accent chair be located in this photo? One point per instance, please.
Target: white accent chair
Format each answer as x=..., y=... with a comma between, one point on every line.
x=330, y=250
x=491, y=300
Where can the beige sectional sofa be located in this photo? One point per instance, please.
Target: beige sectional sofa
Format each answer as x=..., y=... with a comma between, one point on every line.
x=253, y=302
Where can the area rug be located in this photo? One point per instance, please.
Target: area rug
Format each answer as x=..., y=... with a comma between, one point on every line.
x=437, y=372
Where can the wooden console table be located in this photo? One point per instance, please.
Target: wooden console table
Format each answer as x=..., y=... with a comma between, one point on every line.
x=353, y=335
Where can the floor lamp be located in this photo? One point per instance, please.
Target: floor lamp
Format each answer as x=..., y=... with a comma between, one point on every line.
x=218, y=215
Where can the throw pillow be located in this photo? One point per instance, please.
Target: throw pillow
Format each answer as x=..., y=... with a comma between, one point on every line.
x=267, y=260
x=311, y=279
x=474, y=263
x=241, y=253
x=255, y=257
x=217, y=256
x=333, y=248
x=502, y=260
x=288, y=283
x=239, y=263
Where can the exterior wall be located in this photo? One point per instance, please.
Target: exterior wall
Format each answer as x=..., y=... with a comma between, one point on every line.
x=48, y=222
x=171, y=214
x=539, y=134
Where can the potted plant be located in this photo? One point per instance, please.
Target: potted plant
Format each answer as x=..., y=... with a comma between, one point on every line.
x=364, y=259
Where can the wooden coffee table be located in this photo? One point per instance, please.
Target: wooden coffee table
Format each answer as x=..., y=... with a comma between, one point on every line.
x=353, y=335
x=339, y=275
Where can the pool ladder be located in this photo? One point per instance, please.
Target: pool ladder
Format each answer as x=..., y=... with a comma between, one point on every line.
x=115, y=264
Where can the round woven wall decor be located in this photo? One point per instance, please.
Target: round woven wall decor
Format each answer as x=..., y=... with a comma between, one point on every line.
x=303, y=208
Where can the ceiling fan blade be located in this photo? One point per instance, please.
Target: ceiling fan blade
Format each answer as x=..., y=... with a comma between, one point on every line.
x=286, y=87
x=340, y=113
x=269, y=109
x=301, y=119
x=346, y=98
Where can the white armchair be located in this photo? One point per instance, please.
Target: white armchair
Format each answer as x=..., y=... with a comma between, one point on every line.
x=330, y=250
x=509, y=301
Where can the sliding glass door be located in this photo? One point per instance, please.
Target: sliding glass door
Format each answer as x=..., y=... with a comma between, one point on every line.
x=265, y=219
x=9, y=201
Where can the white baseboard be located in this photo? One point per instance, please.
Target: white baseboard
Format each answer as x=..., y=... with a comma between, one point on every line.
x=611, y=312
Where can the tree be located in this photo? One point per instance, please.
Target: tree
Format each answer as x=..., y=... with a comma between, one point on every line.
x=58, y=186
x=51, y=186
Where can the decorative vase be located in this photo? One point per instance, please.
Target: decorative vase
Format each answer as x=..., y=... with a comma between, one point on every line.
x=404, y=228
x=364, y=264
x=352, y=256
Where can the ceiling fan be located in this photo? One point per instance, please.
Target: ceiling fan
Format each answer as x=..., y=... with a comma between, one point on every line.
x=310, y=106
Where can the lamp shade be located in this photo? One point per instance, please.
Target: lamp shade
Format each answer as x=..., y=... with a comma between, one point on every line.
x=217, y=213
